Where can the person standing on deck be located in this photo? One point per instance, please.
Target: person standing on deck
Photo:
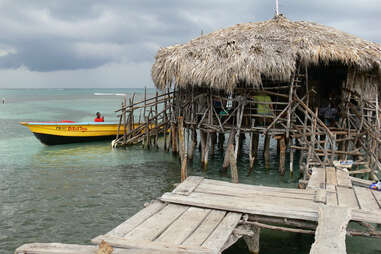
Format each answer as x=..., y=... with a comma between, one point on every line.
x=99, y=118
x=3, y=100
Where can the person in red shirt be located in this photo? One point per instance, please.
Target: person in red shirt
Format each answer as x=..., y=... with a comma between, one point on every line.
x=99, y=118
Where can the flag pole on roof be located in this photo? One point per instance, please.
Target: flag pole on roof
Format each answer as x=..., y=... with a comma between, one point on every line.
x=277, y=7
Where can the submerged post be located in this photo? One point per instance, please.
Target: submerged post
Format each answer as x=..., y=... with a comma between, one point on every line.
x=252, y=242
x=183, y=153
x=233, y=164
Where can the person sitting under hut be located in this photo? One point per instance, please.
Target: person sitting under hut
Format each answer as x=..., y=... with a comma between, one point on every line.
x=264, y=106
x=99, y=118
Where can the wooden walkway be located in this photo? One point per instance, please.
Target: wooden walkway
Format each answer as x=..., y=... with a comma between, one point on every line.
x=208, y=216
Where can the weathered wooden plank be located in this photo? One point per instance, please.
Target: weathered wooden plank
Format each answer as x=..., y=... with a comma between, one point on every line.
x=257, y=187
x=366, y=199
x=331, y=231
x=343, y=178
x=332, y=197
x=331, y=175
x=220, y=236
x=137, y=219
x=377, y=196
x=189, y=185
x=59, y=248
x=366, y=216
x=258, y=199
x=156, y=224
x=231, y=190
x=317, y=179
x=154, y=246
x=360, y=182
x=205, y=229
x=346, y=197
x=320, y=196
x=263, y=206
x=183, y=226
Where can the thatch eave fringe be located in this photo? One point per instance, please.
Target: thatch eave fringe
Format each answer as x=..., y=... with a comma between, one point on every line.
x=246, y=52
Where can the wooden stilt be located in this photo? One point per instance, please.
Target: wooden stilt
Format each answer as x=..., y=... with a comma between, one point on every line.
x=252, y=242
x=183, y=152
x=266, y=151
x=193, y=144
x=233, y=163
x=174, y=138
x=206, y=152
x=227, y=152
x=156, y=121
x=282, y=155
x=213, y=142
x=291, y=156
x=203, y=143
x=221, y=140
x=254, y=140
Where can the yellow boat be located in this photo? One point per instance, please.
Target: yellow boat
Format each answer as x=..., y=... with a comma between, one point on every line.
x=65, y=132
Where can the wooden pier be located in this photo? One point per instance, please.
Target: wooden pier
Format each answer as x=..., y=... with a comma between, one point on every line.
x=208, y=216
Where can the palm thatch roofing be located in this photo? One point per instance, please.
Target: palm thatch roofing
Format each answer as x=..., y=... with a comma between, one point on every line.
x=271, y=49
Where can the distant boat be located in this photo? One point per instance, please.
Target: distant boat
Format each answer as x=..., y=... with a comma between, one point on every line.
x=66, y=132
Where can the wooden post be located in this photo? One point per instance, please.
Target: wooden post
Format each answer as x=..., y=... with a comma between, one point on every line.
x=301, y=162
x=205, y=140
x=221, y=140
x=193, y=143
x=254, y=140
x=146, y=133
x=233, y=164
x=291, y=156
x=183, y=152
x=165, y=127
x=282, y=155
x=203, y=143
x=174, y=138
x=227, y=152
x=124, y=112
x=253, y=241
x=156, y=120
x=213, y=141
x=266, y=151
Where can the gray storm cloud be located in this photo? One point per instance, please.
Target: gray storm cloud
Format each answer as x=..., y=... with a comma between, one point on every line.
x=52, y=36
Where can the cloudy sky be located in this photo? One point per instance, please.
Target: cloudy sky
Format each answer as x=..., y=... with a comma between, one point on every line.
x=112, y=43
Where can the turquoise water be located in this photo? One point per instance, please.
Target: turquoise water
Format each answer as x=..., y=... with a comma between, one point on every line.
x=72, y=193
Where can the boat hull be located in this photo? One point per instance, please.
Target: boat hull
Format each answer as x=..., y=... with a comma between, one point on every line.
x=56, y=133
x=51, y=140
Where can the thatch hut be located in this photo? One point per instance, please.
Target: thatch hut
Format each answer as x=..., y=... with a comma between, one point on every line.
x=301, y=66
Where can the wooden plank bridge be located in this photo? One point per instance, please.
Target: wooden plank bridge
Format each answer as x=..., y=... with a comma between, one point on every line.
x=208, y=216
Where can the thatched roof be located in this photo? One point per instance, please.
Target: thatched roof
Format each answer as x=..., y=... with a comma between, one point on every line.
x=244, y=52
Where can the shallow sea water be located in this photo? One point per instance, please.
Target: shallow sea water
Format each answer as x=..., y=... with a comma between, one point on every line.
x=72, y=193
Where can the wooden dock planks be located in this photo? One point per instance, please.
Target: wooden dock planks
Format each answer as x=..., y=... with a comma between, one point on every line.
x=346, y=197
x=184, y=226
x=189, y=185
x=237, y=191
x=211, y=222
x=331, y=231
x=220, y=235
x=317, y=179
x=200, y=216
x=59, y=248
x=137, y=219
x=366, y=199
x=158, y=223
x=343, y=179
x=279, y=207
x=377, y=196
